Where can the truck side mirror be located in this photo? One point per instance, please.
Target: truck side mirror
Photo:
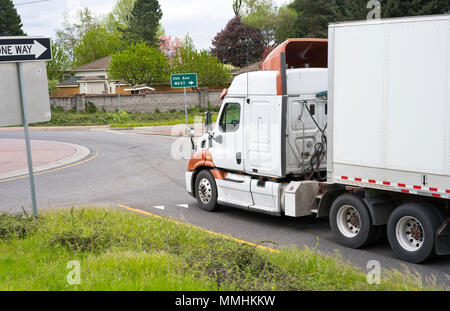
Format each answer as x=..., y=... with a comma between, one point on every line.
x=208, y=121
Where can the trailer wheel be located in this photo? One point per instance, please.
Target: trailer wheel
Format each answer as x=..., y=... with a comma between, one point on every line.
x=411, y=232
x=350, y=222
x=206, y=191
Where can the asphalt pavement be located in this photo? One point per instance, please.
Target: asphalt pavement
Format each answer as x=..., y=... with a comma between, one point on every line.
x=131, y=169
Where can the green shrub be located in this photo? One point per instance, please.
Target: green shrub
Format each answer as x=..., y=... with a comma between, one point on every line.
x=91, y=108
x=16, y=226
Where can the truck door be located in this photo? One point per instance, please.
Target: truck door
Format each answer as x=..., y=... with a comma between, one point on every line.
x=264, y=151
x=227, y=144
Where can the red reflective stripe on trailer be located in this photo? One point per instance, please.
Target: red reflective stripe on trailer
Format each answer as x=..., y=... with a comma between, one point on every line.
x=388, y=183
x=448, y=191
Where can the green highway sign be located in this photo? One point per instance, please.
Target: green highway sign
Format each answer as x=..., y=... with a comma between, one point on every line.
x=184, y=80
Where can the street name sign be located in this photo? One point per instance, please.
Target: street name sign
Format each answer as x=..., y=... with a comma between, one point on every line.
x=24, y=49
x=184, y=80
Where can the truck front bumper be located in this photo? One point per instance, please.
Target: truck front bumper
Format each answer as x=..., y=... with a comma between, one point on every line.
x=189, y=183
x=442, y=243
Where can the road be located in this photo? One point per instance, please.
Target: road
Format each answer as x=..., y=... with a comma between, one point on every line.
x=139, y=171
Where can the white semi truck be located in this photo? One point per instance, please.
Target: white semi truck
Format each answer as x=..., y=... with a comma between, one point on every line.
x=355, y=128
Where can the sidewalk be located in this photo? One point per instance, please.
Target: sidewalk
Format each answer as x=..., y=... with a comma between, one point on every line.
x=46, y=155
x=57, y=128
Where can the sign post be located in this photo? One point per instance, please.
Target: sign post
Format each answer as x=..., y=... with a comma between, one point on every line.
x=184, y=80
x=19, y=50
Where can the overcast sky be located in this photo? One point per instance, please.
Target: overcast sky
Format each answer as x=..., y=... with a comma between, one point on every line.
x=202, y=19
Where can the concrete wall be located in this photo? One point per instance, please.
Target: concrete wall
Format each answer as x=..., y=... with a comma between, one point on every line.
x=139, y=103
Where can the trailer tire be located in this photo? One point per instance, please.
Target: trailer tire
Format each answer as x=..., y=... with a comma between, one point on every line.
x=206, y=191
x=417, y=246
x=351, y=223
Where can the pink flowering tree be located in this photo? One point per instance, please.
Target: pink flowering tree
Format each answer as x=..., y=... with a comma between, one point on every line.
x=169, y=46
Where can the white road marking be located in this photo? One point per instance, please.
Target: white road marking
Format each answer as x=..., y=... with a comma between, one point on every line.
x=183, y=205
x=159, y=207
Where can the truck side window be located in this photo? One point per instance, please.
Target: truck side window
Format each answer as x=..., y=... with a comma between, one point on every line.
x=231, y=117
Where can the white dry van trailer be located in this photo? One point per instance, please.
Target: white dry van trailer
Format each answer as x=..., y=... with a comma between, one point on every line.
x=356, y=128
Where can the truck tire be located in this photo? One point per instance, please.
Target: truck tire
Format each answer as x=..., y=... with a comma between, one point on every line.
x=351, y=223
x=411, y=231
x=206, y=191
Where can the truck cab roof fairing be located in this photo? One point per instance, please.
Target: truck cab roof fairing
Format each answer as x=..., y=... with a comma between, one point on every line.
x=299, y=53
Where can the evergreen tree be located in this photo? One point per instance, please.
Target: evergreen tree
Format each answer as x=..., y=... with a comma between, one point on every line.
x=10, y=22
x=349, y=10
x=144, y=21
x=399, y=8
x=314, y=17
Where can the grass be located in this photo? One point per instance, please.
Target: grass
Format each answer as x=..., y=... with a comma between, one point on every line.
x=122, y=251
x=92, y=117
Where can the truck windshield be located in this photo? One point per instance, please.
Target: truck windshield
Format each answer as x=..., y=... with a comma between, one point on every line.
x=231, y=117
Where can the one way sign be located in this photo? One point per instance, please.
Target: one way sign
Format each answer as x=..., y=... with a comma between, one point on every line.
x=23, y=49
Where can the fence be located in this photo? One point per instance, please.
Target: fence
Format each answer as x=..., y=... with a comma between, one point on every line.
x=139, y=103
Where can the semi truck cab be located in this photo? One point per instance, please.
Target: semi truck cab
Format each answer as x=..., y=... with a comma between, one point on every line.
x=281, y=144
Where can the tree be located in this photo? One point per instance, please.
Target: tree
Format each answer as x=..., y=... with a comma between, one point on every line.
x=72, y=32
x=211, y=72
x=284, y=24
x=357, y=9
x=97, y=43
x=144, y=21
x=59, y=63
x=237, y=6
x=260, y=14
x=10, y=22
x=399, y=8
x=238, y=44
x=169, y=46
x=120, y=15
x=349, y=10
x=275, y=23
x=314, y=17
x=139, y=64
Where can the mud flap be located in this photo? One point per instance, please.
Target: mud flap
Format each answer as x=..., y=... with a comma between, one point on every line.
x=442, y=243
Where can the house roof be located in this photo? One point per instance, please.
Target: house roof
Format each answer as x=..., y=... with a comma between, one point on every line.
x=250, y=68
x=99, y=64
x=139, y=88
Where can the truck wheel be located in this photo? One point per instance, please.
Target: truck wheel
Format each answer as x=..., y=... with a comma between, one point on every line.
x=411, y=232
x=206, y=191
x=350, y=222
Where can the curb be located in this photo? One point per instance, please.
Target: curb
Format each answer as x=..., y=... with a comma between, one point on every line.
x=80, y=153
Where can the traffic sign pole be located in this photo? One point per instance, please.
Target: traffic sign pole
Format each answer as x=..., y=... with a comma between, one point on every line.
x=185, y=109
x=27, y=139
